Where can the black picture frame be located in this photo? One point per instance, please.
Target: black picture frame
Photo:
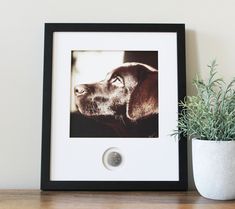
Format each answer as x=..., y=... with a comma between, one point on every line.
x=108, y=185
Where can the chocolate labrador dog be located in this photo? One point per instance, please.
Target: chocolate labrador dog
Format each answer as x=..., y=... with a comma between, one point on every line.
x=126, y=100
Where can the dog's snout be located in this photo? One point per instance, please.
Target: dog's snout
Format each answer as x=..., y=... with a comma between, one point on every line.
x=80, y=90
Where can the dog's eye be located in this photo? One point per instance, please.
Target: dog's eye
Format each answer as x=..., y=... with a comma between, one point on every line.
x=117, y=81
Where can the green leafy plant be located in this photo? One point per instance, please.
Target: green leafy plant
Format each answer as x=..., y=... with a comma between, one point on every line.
x=210, y=115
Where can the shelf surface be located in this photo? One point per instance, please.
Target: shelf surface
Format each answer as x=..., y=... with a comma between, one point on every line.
x=34, y=199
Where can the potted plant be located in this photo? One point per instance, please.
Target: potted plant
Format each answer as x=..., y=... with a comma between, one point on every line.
x=209, y=118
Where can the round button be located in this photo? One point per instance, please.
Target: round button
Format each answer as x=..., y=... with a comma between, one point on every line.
x=112, y=158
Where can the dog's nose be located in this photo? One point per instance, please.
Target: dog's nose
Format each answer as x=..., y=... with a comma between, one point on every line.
x=80, y=90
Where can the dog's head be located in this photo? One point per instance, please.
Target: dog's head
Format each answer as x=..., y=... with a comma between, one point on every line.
x=130, y=90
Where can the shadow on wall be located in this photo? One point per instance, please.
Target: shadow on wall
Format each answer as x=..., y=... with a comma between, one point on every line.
x=192, y=66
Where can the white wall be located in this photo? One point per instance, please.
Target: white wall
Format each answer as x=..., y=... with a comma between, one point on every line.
x=210, y=34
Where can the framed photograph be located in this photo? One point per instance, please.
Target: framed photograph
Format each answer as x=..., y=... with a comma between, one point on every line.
x=110, y=105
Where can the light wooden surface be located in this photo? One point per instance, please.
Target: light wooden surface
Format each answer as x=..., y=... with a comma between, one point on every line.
x=33, y=199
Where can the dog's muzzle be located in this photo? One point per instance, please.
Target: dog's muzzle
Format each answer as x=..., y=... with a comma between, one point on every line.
x=80, y=90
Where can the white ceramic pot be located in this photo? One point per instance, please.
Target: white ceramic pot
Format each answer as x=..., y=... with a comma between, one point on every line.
x=214, y=168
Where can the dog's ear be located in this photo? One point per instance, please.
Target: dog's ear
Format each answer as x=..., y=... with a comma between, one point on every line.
x=144, y=99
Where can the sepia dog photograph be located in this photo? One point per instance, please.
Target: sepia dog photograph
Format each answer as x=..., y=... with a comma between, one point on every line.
x=114, y=94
